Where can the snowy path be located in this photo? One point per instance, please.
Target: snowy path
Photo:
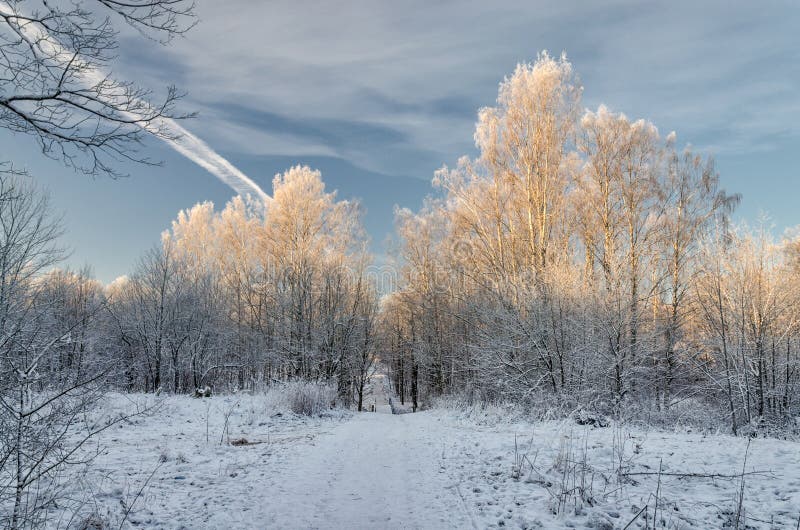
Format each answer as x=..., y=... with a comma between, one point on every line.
x=360, y=470
x=375, y=471
x=433, y=469
x=377, y=394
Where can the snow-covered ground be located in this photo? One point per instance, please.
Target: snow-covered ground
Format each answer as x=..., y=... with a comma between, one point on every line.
x=179, y=466
x=433, y=469
x=558, y=474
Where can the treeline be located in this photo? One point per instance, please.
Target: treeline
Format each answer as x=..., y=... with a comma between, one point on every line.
x=238, y=298
x=581, y=259
x=252, y=294
x=584, y=260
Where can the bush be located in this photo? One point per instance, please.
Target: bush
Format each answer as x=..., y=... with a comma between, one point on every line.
x=688, y=415
x=300, y=397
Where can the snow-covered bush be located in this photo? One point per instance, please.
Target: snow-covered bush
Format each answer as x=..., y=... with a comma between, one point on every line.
x=539, y=406
x=301, y=397
x=482, y=412
x=690, y=415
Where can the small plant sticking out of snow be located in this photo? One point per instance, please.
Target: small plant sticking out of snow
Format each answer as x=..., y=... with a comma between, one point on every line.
x=520, y=459
x=94, y=521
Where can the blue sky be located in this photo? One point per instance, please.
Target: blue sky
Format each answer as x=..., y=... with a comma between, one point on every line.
x=378, y=95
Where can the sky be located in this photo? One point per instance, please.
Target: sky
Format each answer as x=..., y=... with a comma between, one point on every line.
x=378, y=95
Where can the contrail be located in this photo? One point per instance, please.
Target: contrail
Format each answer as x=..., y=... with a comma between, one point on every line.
x=177, y=137
x=201, y=154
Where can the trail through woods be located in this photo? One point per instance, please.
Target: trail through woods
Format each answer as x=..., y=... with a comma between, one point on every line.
x=433, y=469
x=378, y=470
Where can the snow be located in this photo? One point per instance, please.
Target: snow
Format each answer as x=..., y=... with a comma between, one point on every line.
x=432, y=469
x=500, y=499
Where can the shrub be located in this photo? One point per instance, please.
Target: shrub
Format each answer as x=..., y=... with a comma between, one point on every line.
x=300, y=397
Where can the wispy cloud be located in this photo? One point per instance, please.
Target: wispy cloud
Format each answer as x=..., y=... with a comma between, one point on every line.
x=174, y=134
x=368, y=90
x=404, y=79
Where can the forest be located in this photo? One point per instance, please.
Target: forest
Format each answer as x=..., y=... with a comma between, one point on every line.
x=581, y=259
x=585, y=259
x=578, y=260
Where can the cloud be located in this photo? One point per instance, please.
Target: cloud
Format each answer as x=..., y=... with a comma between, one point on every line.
x=395, y=88
x=367, y=90
x=174, y=134
x=377, y=82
